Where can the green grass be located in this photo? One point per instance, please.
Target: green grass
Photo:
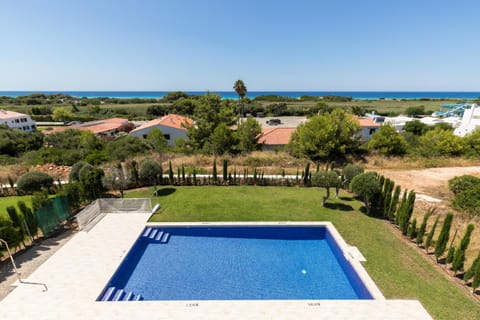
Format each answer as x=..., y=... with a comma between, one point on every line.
x=399, y=270
x=12, y=201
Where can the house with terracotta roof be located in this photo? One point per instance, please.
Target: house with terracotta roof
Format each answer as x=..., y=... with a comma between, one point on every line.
x=369, y=127
x=104, y=128
x=275, y=138
x=173, y=126
x=16, y=120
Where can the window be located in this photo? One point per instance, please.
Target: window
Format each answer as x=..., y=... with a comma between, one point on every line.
x=144, y=136
x=167, y=136
x=372, y=130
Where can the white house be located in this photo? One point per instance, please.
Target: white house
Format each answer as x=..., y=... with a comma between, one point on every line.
x=369, y=127
x=470, y=121
x=16, y=120
x=173, y=126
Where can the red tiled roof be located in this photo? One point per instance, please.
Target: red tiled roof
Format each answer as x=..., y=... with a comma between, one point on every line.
x=96, y=127
x=171, y=120
x=367, y=122
x=276, y=136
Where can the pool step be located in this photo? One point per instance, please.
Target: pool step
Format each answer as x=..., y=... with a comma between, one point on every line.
x=114, y=294
x=156, y=234
x=165, y=238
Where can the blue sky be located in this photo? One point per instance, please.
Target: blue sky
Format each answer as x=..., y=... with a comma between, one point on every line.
x=343, y=45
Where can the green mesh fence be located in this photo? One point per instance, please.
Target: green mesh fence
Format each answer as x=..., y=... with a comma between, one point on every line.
x=53, y=214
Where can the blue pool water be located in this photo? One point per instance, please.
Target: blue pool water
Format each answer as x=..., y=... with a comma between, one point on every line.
x=235, y=263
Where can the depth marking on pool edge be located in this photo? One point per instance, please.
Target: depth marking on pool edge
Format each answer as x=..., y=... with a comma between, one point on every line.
x=191, y=305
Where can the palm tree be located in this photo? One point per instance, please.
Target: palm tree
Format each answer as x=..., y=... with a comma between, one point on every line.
x=241, y=90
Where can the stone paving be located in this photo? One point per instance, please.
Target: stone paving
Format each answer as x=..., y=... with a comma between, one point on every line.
x=77, y=273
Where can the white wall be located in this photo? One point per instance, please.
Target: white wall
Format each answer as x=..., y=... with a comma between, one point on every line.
x=173, y=132
x=23, y=122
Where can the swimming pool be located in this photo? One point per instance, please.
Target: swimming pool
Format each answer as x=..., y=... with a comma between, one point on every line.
x=235, y=263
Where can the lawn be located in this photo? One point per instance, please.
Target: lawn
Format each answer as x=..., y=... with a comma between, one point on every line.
x=399, y=270
x=12, y=201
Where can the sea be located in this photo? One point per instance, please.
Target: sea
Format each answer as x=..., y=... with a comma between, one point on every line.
x=358, y=95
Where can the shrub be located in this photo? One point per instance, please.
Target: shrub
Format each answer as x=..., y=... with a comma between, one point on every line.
x=463, y=183
x=75, y=170
x=468, y=201
x=350, y=171
x=39, y=199
x=366, y=186
x=8, y=232
x=34, y=181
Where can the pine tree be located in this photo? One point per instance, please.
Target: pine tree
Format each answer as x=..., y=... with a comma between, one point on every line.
x=428, y=241
x=459, y=257
x=442, y=240
x=423, y=228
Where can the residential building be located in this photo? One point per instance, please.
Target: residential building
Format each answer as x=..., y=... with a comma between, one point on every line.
x=16, y=120
x=369, y=127
x=275, y=138
x=104, y=128
x=173, y=126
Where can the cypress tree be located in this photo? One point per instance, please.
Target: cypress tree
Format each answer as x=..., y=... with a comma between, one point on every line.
x=471, y=271
x=412, y=229
x=30, y=218
x=17, y=221
x=476, y=278
x=306, y=176
x=170, y=172
x=428, y=240
x=407, y=211
x=387, y=197
x=393, y=203
x=459, y=257
x=401, y=208
x=194, y=176
x=183, y=174
x=423, y=227
x=442, y=240
x=450, y=254
x=214, y=170
x=225, y=170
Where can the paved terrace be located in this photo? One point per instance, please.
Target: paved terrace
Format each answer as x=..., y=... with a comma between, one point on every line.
x=78, y=272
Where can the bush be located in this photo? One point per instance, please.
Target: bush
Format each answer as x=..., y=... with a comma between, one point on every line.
x=350, y=171
x=463, y=183
x=468, y=201
x=34, y=181
x=366, y=186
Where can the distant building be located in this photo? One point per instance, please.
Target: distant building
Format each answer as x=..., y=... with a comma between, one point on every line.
x=173, y=126
x=470, y=121
x=275, y=138
x=104, y=128
x=16, y=120
x=369, y=127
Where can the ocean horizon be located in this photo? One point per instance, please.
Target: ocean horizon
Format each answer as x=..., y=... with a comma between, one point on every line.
x=358, y=95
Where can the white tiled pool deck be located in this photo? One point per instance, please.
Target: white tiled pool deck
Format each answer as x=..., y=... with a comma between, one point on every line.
x=78, y=272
